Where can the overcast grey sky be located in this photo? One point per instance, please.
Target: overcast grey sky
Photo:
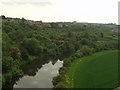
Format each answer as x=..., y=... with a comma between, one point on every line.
x=95, y=11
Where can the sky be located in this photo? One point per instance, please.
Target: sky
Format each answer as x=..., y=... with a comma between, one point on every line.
x=92, y=11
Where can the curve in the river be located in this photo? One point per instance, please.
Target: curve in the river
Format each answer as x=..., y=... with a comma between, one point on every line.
x=42, y=79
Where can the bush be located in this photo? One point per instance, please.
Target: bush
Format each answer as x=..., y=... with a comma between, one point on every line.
x=66, y=62
x=62, y=70
x=86, y=50
x=56, y=80
x=61, y=86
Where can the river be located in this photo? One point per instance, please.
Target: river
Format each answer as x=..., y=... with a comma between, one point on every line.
x=42, y=78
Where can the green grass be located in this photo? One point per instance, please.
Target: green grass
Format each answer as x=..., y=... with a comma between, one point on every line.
x=99, y=70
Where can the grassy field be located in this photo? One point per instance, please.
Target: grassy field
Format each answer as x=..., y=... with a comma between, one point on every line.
x=99, y=70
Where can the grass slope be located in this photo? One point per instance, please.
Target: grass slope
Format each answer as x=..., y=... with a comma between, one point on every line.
x=99, y=70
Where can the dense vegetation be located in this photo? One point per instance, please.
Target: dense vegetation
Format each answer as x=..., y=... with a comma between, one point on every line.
x=23, y=42
x=99, y=70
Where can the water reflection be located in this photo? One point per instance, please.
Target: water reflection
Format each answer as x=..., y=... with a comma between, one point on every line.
x=42, y=78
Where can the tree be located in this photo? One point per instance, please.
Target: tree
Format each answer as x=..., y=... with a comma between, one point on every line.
x=101, y=34
x=15, y=53
x=24, y=54
x=6, y=63
x=31, y=45
x=84, y=41
x=100, y=45
x=56, y=79
x=3, y=16
x=23, y=19
x=86, y=50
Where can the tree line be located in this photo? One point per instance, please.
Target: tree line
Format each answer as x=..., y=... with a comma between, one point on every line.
x=23, y=43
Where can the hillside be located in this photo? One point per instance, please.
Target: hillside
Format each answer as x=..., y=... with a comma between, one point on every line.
x=25, y=41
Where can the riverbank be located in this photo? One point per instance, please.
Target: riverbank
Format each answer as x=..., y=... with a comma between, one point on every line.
x=23, y=44
x=99, y=70
x=42, y=78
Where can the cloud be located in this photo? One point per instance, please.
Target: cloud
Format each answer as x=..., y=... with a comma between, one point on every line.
x=32, y=2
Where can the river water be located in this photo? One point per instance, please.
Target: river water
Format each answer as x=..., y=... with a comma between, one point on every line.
x=42, y=78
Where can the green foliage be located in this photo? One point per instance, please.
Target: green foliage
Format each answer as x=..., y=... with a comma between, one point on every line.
x=61, y=85
x=15, y=53
x=6, y=64
x=86, y=50
x=31, y=45
x=10, y=69
x=57, y=79
x=24, y=41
